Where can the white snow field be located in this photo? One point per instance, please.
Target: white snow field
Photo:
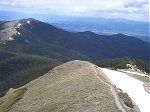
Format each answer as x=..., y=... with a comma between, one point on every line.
x=133, y=87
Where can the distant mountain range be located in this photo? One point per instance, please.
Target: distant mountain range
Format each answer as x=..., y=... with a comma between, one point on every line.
x=107, y=26
x=34, y=37
x=104, y=26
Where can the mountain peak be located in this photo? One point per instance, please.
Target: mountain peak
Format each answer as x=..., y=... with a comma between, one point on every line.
x=88, y=32
x=9, y=29
x=28, y=19
x=119, y=34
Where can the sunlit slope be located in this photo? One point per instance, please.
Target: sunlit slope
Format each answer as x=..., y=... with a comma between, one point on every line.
x=72, y=87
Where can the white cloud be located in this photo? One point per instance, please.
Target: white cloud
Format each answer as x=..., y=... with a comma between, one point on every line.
x=7, y=3
x=136, y=3
x=80, y=7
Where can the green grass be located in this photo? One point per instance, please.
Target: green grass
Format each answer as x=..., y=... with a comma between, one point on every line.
x=121, y=63
x=67, y=88
x=126, y=99
x=19, y=69
x=141, y=78
x=12, y=97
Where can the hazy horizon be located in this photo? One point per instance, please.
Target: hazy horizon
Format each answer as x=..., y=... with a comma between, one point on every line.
x=137, y=10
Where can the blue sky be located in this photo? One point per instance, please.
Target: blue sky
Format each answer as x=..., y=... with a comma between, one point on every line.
x=126, y=9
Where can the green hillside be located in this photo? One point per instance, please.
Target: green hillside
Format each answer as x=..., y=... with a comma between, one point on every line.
x=121, y=63
x=19, y=69
x=39, y=38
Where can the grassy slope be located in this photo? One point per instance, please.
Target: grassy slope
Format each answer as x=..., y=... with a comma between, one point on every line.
x=141, y=78
x=70, y=87
x=19, y=69
x=135, y=75
x=11, y=98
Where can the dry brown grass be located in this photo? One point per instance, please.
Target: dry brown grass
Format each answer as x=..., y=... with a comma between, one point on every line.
x=71, y=87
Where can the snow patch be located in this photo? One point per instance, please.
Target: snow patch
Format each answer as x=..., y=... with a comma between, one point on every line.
x=28, y=22
x=133, y=87
x=134, y=67
x=26, y=41
x=19, y=24
x=18, y=33
x=10, y=38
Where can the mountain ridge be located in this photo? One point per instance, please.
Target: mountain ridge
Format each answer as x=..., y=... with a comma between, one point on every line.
x=80, y=45
x=73, y=86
